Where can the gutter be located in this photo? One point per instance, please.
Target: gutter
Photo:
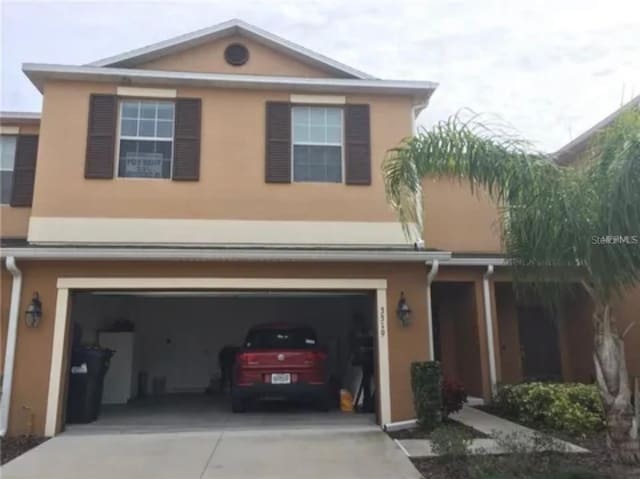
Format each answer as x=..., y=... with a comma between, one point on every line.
x=12, y=335
x=488, y=317
x=228, y=254
x=38, y=73
x=476, y=261
x=430, y=278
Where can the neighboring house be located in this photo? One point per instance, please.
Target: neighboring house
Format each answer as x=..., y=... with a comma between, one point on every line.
x=185, y=186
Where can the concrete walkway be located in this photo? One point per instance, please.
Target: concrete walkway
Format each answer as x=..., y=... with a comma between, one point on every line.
x=348, y=453
x=492, y=426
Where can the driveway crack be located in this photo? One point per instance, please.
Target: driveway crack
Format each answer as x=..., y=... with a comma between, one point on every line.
x=213, y=451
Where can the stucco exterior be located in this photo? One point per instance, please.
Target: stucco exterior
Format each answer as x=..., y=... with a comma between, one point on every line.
x=209, y=58
x=34, y=348
x=231, y=184
x=231, y=191
x=14, y=222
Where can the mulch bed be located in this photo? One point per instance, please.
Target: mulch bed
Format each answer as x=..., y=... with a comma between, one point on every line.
x=597, y=460
x=12, y=447
x=530, y=466
x=417, y=433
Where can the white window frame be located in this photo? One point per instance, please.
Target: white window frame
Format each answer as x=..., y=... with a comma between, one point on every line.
x=121, y=101
x=14, y=161
x=312, y=143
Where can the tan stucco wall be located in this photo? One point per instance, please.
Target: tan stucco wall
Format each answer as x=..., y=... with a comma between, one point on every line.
x=231, y=185
x=209, y=58
x=33, y=353
x=455, y=219
x=14, y=222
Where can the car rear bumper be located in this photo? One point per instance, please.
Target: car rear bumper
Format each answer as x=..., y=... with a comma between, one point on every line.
x=298, y=391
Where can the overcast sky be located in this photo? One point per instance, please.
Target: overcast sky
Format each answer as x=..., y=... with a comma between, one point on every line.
x=549, y=68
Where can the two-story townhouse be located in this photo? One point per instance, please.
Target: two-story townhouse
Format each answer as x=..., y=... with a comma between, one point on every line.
x=191, y=188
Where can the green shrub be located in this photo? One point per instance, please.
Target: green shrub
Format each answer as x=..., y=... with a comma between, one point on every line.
x=572, y=408
x=426, y=382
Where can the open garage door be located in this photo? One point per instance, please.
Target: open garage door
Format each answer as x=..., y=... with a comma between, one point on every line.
x=180, y=357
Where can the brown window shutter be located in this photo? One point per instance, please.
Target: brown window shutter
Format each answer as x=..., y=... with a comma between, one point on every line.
x=186, y=150
x=101, y=136
x=278, y=143
x=357, y=145
x=24, y=170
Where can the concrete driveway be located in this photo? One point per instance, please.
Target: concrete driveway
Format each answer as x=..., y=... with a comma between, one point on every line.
x=343, y=453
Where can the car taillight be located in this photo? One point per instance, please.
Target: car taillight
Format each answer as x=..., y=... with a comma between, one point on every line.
x=246, y=359
x=315, y=356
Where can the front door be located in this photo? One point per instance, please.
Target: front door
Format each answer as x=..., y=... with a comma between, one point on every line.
x=539, y=344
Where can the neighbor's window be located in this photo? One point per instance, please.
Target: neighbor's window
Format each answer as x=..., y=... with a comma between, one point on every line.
x=317, y=144
x=7, y=160
x=146, y=139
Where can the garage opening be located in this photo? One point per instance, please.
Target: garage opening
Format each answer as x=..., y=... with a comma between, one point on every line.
x=209, y=359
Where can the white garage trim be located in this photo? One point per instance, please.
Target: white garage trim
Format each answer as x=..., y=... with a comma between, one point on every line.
x=62, y=318
x=383, y=356
x=57, y=359
x=220, y=283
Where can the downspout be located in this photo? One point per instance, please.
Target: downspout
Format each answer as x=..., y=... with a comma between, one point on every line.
x=12, y=334
x=488, y=317
x=430, y=277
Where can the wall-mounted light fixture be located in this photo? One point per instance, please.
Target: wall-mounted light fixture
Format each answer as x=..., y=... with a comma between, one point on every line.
x=33, y=314
x=403, y=311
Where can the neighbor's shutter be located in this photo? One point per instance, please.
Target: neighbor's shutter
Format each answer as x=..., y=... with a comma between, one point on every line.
x=186, y=156
x=278, y=143
x=357, y=145
x=101, y=137
x=24, y=170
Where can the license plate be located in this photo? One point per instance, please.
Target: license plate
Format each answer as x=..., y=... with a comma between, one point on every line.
x=283, y=378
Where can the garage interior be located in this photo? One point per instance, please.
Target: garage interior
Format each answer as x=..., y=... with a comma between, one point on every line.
x=166, y=369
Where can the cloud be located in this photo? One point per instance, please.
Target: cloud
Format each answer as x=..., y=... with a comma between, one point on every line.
x=551, y=69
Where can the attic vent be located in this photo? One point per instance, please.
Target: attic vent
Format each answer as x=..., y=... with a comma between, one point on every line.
x=236, y=54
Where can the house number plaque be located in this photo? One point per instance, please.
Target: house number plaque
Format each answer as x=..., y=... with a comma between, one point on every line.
x=382, y=330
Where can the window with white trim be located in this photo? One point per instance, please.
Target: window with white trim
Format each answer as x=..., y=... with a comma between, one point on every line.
x=317, y=144
x=146, y=138
x=7, y=162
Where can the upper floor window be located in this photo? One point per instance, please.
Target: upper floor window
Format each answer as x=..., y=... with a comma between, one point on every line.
x=146, y=138
x=317, y=144
x=7, y=161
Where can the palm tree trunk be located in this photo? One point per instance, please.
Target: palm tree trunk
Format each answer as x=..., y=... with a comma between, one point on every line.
x=615, y=391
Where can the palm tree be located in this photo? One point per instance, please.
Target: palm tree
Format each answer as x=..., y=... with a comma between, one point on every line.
x=560, y=226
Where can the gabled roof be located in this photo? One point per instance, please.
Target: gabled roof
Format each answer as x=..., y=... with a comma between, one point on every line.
x=569, y=152
x=235, y=26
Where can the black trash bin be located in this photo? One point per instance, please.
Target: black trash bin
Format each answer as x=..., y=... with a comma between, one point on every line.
x=88, y=368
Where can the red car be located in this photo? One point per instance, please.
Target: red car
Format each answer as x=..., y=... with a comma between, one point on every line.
x=280, y=361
